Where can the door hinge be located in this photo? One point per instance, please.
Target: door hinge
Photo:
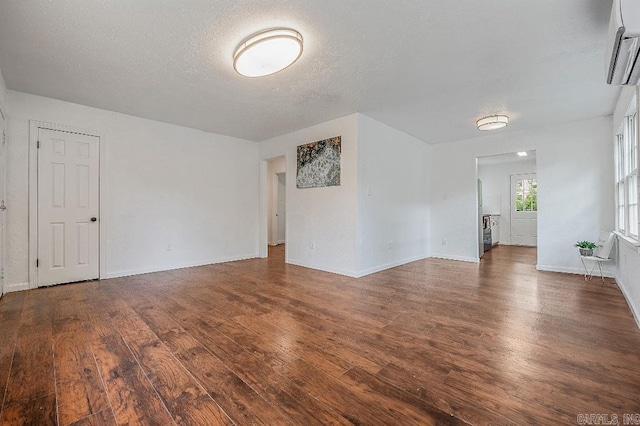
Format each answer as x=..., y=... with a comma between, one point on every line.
x=38, y=145
x=37, y=263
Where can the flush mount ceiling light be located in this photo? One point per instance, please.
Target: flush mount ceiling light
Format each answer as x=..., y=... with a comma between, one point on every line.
x=267, y=52
x=522, y=154
x=492, y=122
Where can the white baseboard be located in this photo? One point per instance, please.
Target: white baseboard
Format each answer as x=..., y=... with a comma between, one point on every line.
x=171, y=268
x=316, y=267
x=635, y=310
x=9, y=288
x=569, y=270
x=458, y=258
x=390, y=265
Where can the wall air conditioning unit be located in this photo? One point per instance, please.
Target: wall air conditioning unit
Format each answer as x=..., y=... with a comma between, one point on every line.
x=623, y=43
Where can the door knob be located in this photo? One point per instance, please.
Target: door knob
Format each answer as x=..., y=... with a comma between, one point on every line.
x=93, y=219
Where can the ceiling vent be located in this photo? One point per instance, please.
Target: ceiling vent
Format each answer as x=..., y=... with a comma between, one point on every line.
x=623, y=43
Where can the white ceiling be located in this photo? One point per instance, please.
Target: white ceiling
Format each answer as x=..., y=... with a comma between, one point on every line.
x=427, y=67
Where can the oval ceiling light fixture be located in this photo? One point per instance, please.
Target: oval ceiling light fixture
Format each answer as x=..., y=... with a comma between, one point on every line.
x=493, y=122
x=267, y=52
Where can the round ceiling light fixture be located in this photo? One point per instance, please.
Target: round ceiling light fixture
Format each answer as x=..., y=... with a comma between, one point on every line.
x=267, y=52
x=493, y=122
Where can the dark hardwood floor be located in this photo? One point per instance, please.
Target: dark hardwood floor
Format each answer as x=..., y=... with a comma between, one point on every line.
x=261, y=342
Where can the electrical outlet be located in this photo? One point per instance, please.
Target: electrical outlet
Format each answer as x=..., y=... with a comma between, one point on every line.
x=390, y=244
x=444, y=242
x=313, y=245
x=169, y=247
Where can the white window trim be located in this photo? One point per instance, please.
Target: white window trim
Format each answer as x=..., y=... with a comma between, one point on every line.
x=631, y=241
x=624, y=177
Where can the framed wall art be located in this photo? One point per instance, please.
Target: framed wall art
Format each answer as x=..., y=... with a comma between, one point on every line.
x=319, y=163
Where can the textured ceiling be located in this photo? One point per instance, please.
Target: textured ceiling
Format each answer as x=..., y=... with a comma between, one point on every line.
x=427, y=67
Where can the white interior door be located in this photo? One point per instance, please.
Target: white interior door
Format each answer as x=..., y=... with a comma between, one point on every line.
x=68, y=206
x=3, y=208
x=524, y=210
x=282, y=207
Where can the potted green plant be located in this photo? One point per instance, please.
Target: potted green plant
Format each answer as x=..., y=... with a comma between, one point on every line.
x=585, y=247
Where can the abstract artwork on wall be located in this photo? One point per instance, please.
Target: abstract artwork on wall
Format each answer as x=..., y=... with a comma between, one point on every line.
x=319, y=163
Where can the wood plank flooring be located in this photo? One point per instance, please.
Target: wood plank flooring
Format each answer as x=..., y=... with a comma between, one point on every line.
x=261, y=342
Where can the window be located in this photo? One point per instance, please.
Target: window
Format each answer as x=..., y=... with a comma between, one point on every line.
x=626, y=142
x=526, y=195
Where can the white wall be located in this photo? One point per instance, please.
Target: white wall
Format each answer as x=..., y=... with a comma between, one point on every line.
x=496, y=182
x=325, y=217
x=628, y=276
x=393, y=197
x=575, y=189
x=274, y=166
x=175, y=196
x=628, y=267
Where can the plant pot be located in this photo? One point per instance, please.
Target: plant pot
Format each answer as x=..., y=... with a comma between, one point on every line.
x=586, y=252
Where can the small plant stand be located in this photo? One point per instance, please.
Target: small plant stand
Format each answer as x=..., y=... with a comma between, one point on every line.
x=590, y=264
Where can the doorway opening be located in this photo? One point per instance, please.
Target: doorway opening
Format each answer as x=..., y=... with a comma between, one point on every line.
x=276, y=207
x=507, y=200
